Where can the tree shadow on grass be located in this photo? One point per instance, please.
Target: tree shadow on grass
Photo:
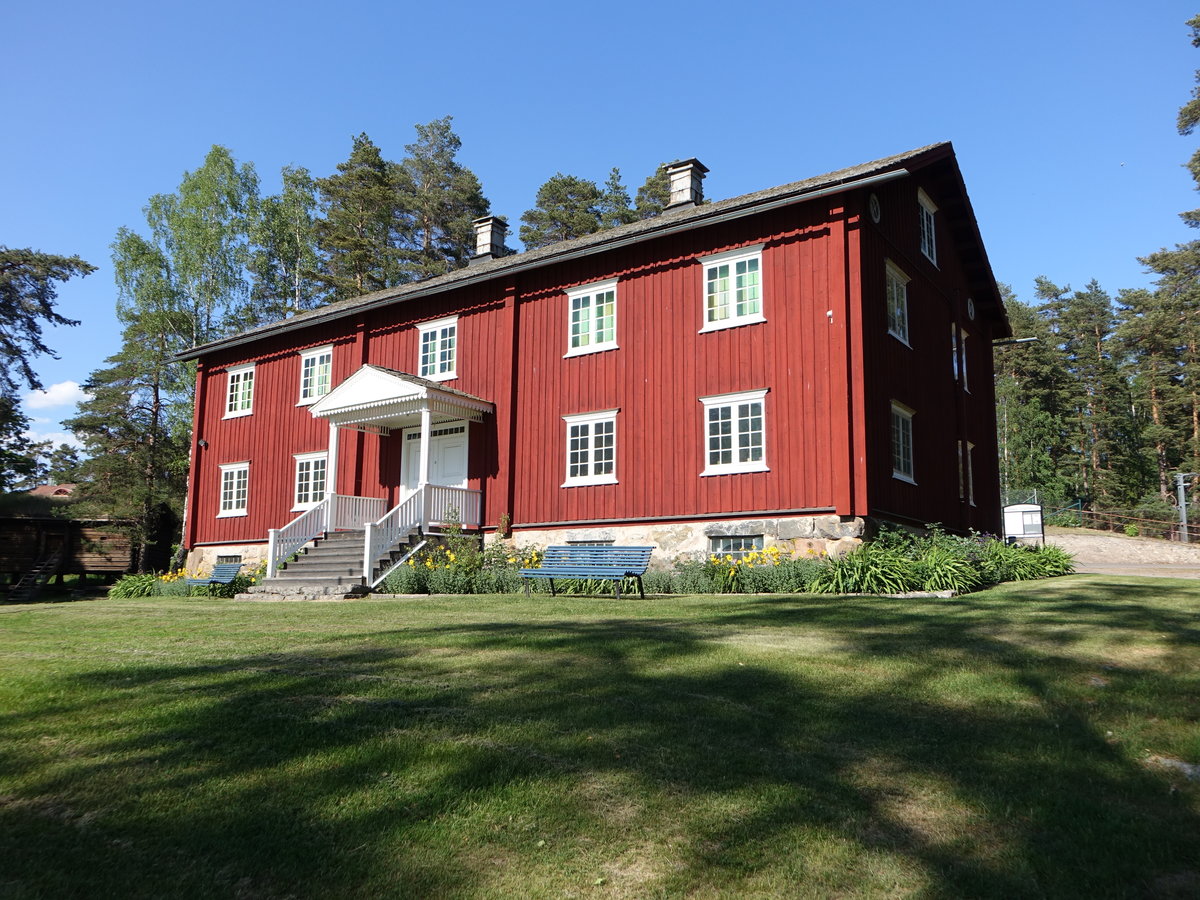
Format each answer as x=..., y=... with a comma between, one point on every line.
x=654, y=755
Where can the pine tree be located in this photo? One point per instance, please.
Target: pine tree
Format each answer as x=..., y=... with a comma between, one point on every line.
x=27, y=295
x=360, y=233
x=440, y=198
x=1030, y=384
x=567, y=207
x=614, y=206
x=654, y=194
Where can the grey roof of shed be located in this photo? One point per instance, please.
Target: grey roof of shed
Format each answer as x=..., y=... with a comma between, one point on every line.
x=665, y=223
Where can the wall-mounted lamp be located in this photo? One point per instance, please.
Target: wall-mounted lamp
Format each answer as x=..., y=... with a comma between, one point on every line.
x=202, y=444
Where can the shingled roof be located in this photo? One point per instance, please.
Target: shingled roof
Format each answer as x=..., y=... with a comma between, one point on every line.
x=669, y=221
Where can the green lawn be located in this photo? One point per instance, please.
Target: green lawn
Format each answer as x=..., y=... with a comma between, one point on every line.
x=1005, y=744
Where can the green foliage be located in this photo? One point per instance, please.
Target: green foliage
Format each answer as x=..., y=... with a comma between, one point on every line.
x=941, y=568
x=868, y=569
x=1054, y=561
x=284, y=258
x=359, y=236
x=144, y=584
x=565, y=207
x=654, y=194
x=440, y=198
x=28, y=290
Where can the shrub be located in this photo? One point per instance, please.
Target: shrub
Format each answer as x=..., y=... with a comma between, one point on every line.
x=869, y=569
x=942, y=568
x=659, y=581
x=1054, y=561
x=694, y=577
x=1132, y=531
x=139, y=585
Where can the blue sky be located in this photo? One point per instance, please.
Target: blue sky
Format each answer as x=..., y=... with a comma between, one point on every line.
x=1062, y=113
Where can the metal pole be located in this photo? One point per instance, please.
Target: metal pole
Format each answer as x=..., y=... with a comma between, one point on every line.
x=1181, y=495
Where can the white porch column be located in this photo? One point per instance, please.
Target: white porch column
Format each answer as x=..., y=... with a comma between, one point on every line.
x=331, y=462
x=426, y=428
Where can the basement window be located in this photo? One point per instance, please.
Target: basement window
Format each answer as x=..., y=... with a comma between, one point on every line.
x=735, y=545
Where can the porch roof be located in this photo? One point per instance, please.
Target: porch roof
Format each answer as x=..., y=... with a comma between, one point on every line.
x=378, y=399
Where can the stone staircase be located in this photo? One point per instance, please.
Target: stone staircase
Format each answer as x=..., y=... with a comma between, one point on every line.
x=330, y=569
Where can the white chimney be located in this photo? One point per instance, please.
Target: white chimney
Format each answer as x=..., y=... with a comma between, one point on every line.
x=490, y=232
x=687, y=182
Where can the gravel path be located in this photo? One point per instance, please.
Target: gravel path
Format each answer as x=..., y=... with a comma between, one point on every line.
x=1104, y=553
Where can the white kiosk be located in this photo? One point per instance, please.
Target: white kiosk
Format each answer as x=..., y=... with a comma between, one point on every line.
x=1023, y=522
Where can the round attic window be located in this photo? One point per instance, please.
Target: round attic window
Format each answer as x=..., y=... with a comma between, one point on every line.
x=971, y=309
x=875, y=209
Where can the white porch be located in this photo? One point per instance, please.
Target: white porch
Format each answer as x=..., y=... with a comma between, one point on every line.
x=432, y=481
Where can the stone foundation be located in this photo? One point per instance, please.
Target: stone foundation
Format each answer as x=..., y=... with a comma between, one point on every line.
x=202, y=559
x=674, y=541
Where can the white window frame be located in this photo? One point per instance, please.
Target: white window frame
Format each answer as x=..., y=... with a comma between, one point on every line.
x=724, y=545
x=903, y=469
x=734, y=402
x=233, y=500
x=239, y=391
x=305, y=465
x=585, y=332
x=731, y=319
x=438, y=369
x=310, y=391
x=586, y=455
x=928, y=222
x=896, y=297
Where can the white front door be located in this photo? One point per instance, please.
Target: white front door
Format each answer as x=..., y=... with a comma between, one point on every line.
x=447, y=457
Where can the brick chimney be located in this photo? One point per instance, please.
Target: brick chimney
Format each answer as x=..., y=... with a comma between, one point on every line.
x=687, y=183
x=490, y=232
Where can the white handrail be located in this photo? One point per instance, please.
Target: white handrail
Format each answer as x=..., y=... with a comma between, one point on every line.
x=336, y=511
x=283, y=542
x=447, y=505
x=397, y=522
x=351, y=513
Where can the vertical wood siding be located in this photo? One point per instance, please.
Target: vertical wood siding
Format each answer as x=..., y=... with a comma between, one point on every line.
x=823, y=355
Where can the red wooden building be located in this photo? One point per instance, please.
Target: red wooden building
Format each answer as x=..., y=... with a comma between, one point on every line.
x=787, y=366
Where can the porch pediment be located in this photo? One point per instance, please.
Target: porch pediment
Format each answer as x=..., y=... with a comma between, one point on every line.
x=382, y=399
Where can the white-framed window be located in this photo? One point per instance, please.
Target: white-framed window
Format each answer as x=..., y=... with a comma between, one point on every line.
x=316, y=372
x=735, y=437
x=897, y=303
x=735, y=545
x=592, y=318
x=732, y=288
x=902, y=442
x=591, y=448
x=310, y=479
x=439, y=349
x=235, y=489
x=239, y=391
x=927, y=208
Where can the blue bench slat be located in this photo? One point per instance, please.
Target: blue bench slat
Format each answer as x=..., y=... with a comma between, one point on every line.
x=605, y=562
x=222, y=573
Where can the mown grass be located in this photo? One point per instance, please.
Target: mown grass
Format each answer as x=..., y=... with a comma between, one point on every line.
x=1003, y=744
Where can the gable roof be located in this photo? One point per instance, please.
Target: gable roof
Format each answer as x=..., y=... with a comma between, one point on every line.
x=668, y=222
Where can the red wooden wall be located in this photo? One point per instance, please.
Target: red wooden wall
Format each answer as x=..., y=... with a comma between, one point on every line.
x=823, y=354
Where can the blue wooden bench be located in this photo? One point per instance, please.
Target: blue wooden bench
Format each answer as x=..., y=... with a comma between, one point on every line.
x=222, y=573
x=606, y=563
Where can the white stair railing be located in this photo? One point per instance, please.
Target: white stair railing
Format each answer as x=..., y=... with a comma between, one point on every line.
x=384, y=534
x=336, y=511
x=283, y=542
x=449, y=505
x=352, y=513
